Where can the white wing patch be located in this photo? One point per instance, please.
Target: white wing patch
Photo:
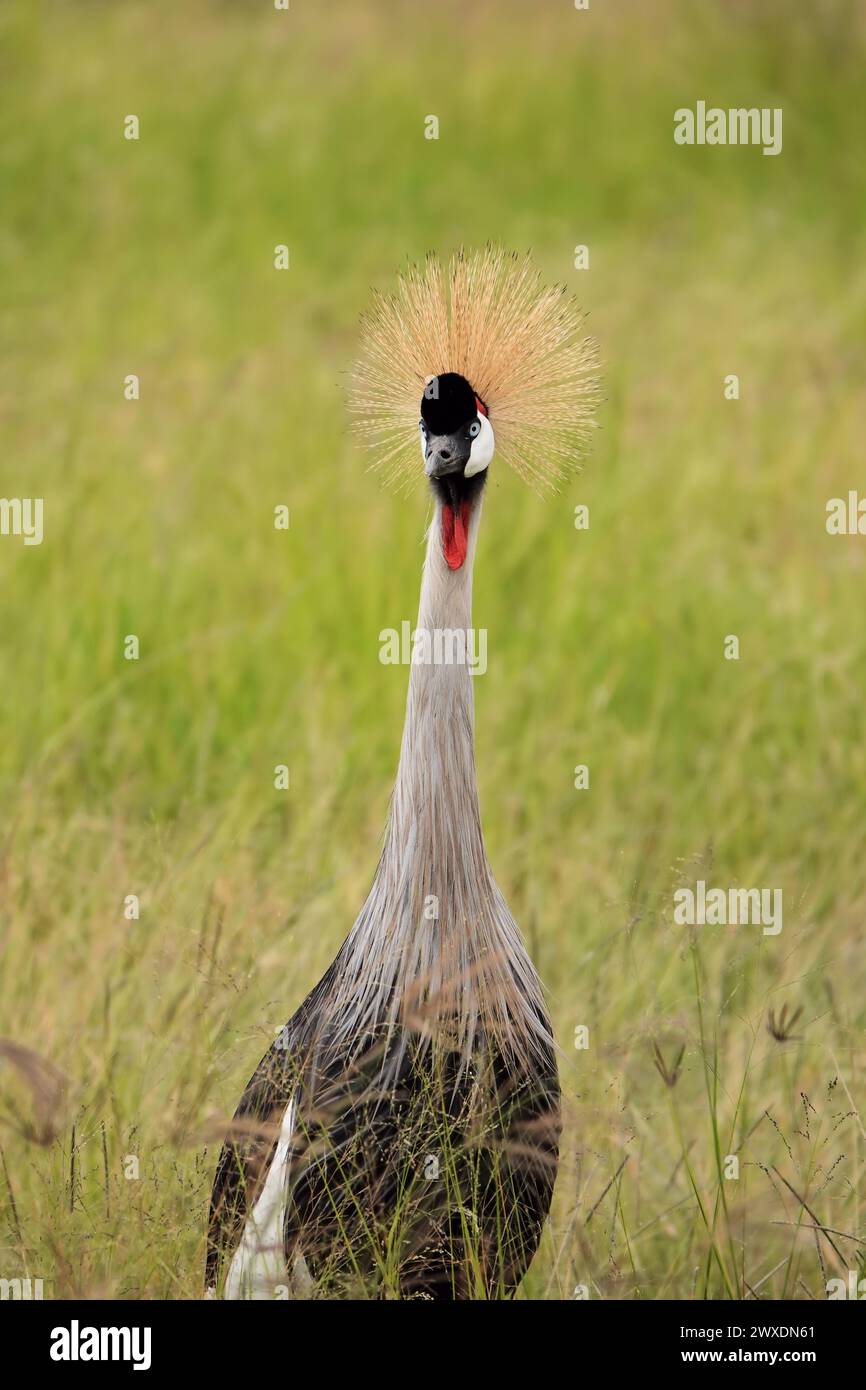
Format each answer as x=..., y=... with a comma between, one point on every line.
x=258, y=1269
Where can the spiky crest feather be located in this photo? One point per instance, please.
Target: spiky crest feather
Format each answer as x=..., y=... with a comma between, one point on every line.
x=519, y=343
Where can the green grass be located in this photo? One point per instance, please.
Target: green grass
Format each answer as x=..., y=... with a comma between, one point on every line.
x=260, y=647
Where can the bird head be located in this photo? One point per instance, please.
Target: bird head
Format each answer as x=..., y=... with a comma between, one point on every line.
x=457, y=446
x=508, y=352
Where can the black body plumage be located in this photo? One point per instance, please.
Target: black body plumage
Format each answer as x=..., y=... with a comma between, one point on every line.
x=410, y=1174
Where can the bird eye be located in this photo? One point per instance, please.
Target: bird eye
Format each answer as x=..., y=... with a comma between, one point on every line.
x=474, y=429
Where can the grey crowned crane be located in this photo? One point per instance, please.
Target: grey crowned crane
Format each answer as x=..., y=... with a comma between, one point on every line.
x=400, y=1137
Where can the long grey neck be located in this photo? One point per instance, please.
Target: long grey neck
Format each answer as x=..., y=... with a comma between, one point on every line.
x=434, y=951
x=434, y=829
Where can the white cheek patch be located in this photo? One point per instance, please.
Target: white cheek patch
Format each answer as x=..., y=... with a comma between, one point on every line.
x=483, y=446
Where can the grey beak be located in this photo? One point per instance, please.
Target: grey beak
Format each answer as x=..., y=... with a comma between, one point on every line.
x=446, y=453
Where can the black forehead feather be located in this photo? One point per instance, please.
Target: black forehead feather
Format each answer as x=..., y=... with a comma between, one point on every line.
x=447, y=403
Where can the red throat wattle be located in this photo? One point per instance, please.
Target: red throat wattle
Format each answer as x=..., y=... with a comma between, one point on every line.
x=455, y=533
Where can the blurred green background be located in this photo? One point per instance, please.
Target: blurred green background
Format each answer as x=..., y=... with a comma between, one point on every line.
x=259, y=647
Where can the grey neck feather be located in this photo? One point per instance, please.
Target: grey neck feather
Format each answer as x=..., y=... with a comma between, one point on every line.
x=435, y=951
x=434, y=839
